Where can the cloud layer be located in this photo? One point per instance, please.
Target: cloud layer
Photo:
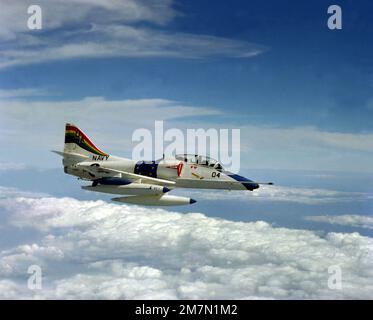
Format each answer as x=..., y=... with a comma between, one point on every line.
x=10, y=166
x=285, y=194
x=20, y=117
x=91, y=28
x=345, y=220
x=295, y=148
x=93, y=249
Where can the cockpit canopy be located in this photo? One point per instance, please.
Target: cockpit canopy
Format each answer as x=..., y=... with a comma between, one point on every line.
x=200, y=160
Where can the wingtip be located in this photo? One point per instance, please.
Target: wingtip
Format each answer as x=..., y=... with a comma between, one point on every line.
x=191, y=201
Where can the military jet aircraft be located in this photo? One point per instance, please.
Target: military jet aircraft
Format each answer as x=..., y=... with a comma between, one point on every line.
x=144, y=182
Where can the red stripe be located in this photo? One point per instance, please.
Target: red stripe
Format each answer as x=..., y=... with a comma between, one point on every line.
x=179, y=168
x=71, y=128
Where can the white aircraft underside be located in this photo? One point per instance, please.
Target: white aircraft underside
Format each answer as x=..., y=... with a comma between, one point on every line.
x=144, y=182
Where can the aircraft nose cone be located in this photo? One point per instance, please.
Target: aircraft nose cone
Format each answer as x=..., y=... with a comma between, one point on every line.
x=255, y=185
x=191, y=201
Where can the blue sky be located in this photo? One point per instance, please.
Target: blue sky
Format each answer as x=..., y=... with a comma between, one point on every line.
x=296, y=89
x=306, y=74
x=258, y=64
x=300, y=93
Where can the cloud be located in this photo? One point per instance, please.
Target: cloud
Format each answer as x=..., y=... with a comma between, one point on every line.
x=9, y=166
x=297, y=148
x=56, y=15
x=345, y=220
x=93, y=249
x=306, y=136
x=90, y=28
x=22, y=92
x=22, y=117
x=284, y=194
x=6, y=192
x=306, y=148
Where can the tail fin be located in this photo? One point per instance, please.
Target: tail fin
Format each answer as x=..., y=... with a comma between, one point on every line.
x=76, y=142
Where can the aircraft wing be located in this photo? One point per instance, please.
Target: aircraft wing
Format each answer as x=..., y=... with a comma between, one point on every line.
x=108, y=172
x=216, y=181
x=220, y=184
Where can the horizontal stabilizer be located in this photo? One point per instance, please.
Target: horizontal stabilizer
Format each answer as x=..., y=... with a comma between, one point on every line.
x=70, y=154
